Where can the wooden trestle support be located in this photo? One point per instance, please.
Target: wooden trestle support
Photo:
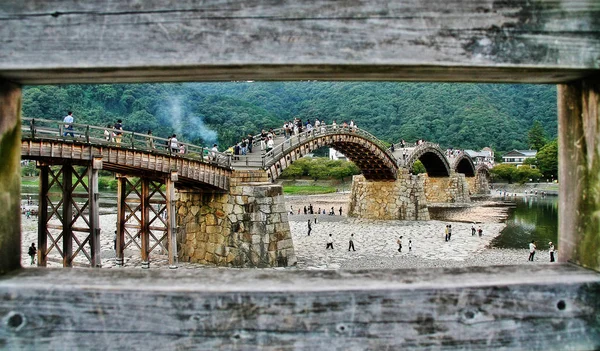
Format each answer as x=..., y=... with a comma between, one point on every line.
x=68, y=212
x=146, y=217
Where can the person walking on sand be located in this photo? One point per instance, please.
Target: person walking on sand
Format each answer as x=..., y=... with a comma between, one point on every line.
x=409, y=245
x=309, y=228
x=399, y=242
x=446, y=233
x=480, y=231
x=32, y=251
x=531, y=250
x=329, y=242
x=449, y=231
x=340, y=210
x=473, y=229
x=351, y=243
x=315, y=219
x=551, y=249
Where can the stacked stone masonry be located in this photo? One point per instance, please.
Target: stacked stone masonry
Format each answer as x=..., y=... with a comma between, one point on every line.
x=402, y=199
x=247, y=227
x=447, y=189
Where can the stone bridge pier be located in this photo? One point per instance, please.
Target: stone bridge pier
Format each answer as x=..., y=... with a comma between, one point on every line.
x=400, y=199
x=454, y=188
x=246, y=227
x=479, y=184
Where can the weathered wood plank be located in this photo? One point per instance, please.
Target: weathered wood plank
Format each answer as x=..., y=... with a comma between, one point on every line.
x=10, y=176
x=579, y=173
x=475, y=309
x=166, y=40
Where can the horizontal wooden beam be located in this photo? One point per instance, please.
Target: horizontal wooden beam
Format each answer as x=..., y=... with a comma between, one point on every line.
x=514, y=307
x=67, y=41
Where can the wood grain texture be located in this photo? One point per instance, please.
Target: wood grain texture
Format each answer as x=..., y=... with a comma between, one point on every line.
x=474, y=308
x=10, y=177
x=579, y=173
x=171, y=40
x=133, y=162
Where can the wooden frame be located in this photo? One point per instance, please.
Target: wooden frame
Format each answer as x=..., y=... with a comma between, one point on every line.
x=67, y=41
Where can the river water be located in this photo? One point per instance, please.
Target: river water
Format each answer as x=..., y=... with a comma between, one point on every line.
x=533, y=218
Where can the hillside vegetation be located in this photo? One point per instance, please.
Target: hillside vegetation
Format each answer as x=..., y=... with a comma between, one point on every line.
x=458, y=115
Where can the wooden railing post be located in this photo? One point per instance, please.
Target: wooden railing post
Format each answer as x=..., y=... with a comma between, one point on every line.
x=87, y=134
x=67, y=214
x=94, y=219
x=579, y=173
x=171, y=220
x=42, y=254
x=121, y=206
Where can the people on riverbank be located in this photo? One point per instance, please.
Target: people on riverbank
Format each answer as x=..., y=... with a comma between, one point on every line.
x=399, y=242
x=551, y=250
x=309, y=228
x=32, y=252
x=329, y=242
x=351, y=242
x=532, y=248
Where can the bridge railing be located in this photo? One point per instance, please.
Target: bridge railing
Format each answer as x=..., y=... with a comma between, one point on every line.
x=43, y=129
x=293, y=141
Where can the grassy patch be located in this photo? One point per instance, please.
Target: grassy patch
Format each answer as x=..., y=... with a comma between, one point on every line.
x=308, y=189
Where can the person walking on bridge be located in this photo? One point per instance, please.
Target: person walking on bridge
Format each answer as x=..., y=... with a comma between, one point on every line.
x=68, y=120
x=118, y=131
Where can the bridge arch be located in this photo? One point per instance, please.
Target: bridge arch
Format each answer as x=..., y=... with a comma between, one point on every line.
x=368, y=153
x=432, y=157
x=464, y=164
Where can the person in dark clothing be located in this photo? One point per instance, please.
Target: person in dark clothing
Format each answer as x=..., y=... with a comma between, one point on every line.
x=305, y=210
x=32, y=252
x=309, y=228
x=473, y=231
x=340, y=210
x=329, y=242
x=351, y=243
x=250, y=140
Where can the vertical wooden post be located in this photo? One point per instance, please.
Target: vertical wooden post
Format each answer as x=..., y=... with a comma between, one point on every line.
x=121, y=191
x=171, y=220
x=67, y=216
x=579, y=173
x=10, y=173
x=42, y=254
x=145, y=225
x=93, y=211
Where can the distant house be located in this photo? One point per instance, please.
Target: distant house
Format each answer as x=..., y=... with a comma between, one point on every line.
x=336, y=155
x=516, y=157
x=485, y=156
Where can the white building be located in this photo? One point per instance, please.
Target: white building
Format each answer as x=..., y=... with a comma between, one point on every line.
x=336, y=155
x=517, y=157
x=485, y=156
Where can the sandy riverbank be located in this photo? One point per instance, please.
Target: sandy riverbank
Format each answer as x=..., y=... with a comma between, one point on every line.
x=375, y=241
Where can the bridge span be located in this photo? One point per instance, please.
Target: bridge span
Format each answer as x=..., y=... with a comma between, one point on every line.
x=206, y=206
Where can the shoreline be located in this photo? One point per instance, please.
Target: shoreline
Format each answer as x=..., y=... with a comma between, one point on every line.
x=375, y=240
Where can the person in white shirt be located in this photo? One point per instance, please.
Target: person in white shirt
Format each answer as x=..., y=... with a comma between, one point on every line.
x=334, y=125
x=214, y=152
x=329, y=242
x=551, y=249
x=270, y=144
x=68, y=120
x=174, y=144
x=531, y=250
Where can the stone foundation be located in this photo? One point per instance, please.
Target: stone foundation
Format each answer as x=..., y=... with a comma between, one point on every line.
x=247, y=227
x=479, y=184
x=447, y=189
x=402, y=199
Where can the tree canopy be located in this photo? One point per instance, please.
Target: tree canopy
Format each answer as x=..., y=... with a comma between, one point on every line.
x=459, y=115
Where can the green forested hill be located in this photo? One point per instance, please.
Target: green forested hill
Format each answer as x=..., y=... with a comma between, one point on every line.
x=458, y=115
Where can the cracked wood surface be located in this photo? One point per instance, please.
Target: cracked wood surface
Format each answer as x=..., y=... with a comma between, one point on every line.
x=166, y=40
x=512, y=307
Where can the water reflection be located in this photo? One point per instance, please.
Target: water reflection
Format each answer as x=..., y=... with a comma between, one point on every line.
x=534, y=218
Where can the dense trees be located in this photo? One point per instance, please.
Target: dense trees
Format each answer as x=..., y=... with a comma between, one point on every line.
x=457, y=115
x=511, y=173
x=319, y=168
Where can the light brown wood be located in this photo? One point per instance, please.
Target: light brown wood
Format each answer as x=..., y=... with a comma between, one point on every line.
x=167, y=40
x=546, y=307
x=579, y=173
